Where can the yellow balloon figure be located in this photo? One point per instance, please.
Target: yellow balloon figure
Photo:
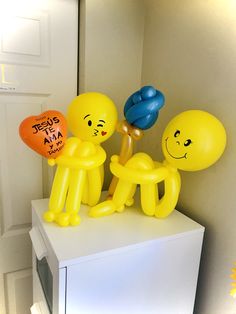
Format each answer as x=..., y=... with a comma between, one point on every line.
x=193, y=140
x=91, y=118
x=233, y=284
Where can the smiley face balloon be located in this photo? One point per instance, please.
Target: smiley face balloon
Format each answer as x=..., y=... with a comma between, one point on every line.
x=193, y=140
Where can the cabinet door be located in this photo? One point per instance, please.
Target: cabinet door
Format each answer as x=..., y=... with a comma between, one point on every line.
x=40, y=304
x=157, y=278
x=49, y=288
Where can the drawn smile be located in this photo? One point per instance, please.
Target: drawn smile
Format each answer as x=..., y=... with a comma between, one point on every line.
x=184, y=156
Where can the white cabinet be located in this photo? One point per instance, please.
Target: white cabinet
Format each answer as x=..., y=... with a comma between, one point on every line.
x=120, y=264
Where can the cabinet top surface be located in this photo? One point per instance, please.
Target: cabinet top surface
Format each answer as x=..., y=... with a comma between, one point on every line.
x=102, y=236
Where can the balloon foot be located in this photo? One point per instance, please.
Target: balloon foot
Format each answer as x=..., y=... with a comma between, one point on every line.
x=49, y=216
x=75, y=220
x=129, y=202
x=66, y=219
x=120, y=209
x=103, y=209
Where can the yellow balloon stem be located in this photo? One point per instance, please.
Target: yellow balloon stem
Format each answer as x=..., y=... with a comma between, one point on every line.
x=130, y=133
x=127, y=147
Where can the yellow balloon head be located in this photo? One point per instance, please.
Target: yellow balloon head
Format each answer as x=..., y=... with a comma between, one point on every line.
x=193, y=140
x=92, y=117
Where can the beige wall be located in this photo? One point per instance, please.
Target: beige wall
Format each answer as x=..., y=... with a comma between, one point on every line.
x=111, y=52
x=189, y=53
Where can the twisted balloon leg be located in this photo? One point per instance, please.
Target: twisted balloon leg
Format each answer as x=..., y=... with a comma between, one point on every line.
x=57, y=200
x=149, y=198
x=168, y=202
x=130, y=199
x=95, y=181
x=73, y=201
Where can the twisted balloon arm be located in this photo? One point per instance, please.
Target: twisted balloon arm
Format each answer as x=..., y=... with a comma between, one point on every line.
x=86, y=163
x=133, y=173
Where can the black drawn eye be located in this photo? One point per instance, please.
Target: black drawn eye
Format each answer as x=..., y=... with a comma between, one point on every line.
x=187, y=142
x=177, y=133
x=101, y=124
x=89, y=122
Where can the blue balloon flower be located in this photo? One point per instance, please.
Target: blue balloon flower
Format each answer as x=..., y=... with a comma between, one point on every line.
x=142, y=108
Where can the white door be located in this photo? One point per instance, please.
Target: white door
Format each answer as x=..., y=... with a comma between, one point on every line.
x=38, y=71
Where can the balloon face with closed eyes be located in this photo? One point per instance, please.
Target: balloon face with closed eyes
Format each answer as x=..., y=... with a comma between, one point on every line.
x=92, y=117
x=193, y=140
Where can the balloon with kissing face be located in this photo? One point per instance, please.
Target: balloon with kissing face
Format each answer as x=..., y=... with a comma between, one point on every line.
x=91, y=118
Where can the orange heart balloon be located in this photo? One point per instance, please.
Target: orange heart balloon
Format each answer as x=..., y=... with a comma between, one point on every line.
x=46, y=133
